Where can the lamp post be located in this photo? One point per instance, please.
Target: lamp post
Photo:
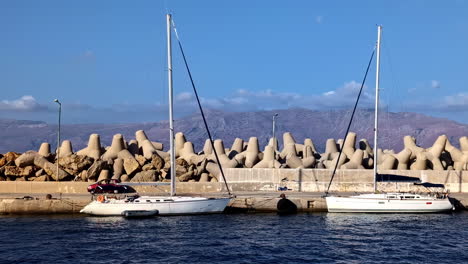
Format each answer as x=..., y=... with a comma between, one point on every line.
x=274, y=128
x=58, y=136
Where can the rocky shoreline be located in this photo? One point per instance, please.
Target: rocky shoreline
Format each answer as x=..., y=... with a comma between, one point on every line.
x=143, y=160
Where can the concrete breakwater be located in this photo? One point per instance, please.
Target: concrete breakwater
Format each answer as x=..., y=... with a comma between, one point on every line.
x=37, y=204
x=247, y=202
x=243, y=202
x=256, y=189
x=140, y=159
x=269, y=180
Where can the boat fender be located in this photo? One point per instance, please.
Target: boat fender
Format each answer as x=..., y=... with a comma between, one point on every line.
x=286, y=206
x=100, y=198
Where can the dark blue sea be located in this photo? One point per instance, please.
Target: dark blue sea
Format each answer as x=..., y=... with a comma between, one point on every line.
x=237, y=238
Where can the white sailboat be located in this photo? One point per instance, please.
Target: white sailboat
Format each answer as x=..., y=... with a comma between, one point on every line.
x=386, y=202
x=165, y=205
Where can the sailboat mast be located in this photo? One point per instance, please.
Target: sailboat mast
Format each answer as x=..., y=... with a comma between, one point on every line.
x=376, y=114
x=171, y=118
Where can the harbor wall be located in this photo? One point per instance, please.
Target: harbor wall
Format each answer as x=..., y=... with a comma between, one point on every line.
x=299, y=180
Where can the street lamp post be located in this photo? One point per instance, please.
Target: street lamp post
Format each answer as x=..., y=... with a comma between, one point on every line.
x=58, y=136
x=274, y=128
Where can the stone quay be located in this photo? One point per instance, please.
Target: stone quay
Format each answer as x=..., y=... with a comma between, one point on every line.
x=256, y=189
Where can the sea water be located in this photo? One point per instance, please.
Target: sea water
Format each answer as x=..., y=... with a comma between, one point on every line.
x=237, y=238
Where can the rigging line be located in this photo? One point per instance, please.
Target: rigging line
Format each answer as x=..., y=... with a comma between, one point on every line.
x=200, y=107
x=388, y=56
x=349, y=124
x=398, y=105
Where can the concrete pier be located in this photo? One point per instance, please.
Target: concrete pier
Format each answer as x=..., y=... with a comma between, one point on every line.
x=245, y=202
x=269, y=180
x=36, y=205
x=256, y=189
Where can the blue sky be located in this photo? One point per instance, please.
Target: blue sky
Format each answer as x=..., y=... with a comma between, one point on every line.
x=106, y=60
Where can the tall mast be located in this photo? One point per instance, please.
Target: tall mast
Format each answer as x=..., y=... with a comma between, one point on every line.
x=376, y=114
x=171, y=118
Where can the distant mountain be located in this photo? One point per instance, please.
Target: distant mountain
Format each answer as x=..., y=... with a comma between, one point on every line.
x=21, y=135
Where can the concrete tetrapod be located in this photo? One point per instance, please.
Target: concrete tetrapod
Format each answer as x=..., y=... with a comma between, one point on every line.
x=236, y=148
x=460, y=159
x=350, y=144
x=339, y=144
x=207, y=148
x=388, y=162
x=355, y=161
x=308, y=160
x=133, y=147
x=223, y=158
x=93, y=150
x=179, y=143
x=118, y=168
x=433, y=153
x=464, y=144
x=104, y=175
x=251, y=154
x=116, y=146
x=238, y=151
x=140, y=136
x=331, y=146
x=268, y=160
x=66, y=149
x=380, y=156
x=26, y=159
x=330, y=164
x=158, y=145
x=214, y=171
x=44, y=149
x=289, y=154
x=148, y=149
x=403, y=158
x=307, y=152
x=309, y=142
x=274, y=143
x=365, y=146
x=367, y=160
x=204, y=177
x=188, y=154
x=420, y=163
x=410, y=143
x=289, y=139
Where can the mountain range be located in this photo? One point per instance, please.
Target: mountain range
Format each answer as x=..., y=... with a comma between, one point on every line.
x=23, y=135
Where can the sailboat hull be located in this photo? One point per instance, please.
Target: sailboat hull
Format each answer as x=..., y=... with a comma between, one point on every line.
x=381, y=204
x=165, y=205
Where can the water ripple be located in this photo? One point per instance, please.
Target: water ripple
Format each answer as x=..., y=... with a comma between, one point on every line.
x=239, y=238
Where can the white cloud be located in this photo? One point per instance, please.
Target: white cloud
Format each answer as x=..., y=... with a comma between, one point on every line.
x=241, y=100
x=343, y=97
x=412, y=90
x=458, y=102
x=25, y=103
x=435, y=84
x=319, y=19
x=87, y=56
x=184, y=96
x=245, y=100
x=446, y=104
